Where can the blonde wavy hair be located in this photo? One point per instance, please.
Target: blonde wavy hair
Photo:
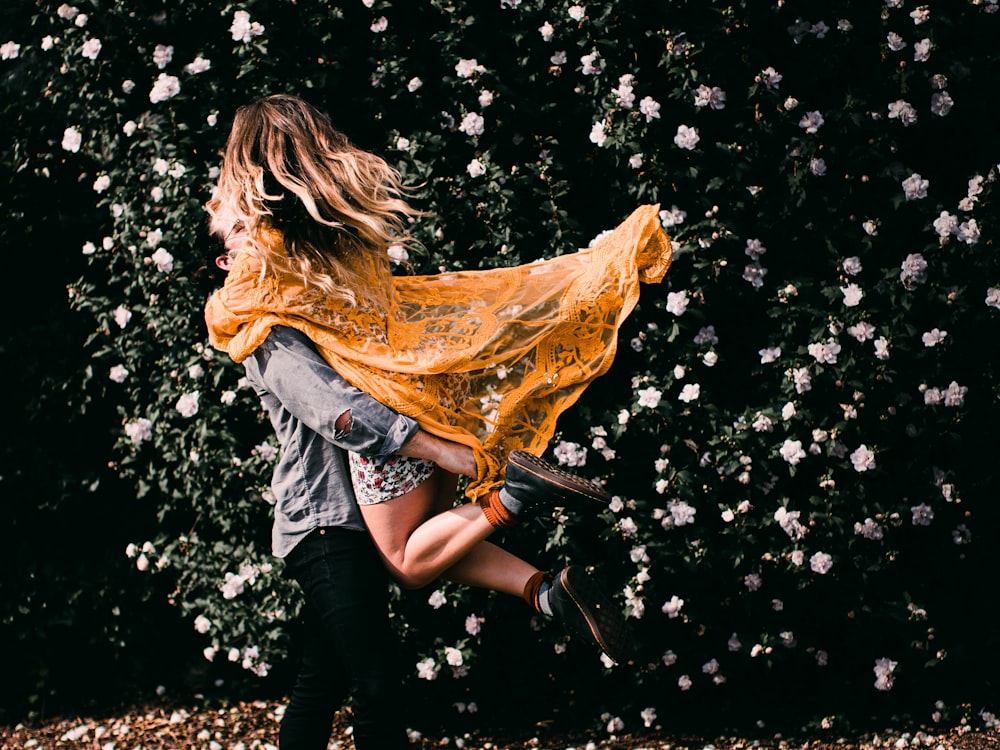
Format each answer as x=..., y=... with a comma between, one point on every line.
x=312, y=204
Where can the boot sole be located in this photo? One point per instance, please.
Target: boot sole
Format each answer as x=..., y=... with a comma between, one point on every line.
x=607, y=626
x=561, y=480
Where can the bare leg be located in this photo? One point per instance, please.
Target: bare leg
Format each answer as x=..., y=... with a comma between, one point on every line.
x=422, y=537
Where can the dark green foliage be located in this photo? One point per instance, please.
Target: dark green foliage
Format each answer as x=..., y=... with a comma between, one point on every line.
x=730, y=500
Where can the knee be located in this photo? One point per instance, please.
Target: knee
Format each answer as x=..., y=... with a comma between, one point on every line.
x=412, y=579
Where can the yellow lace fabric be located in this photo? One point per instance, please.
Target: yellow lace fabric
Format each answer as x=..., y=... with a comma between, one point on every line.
x=488, y=358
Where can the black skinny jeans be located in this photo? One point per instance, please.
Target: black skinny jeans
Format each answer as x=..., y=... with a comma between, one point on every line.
x=347, y=647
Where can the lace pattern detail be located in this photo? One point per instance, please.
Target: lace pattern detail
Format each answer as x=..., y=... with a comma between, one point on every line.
x=488, y=358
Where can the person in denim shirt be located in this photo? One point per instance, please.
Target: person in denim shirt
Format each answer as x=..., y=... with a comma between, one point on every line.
x=318, y=530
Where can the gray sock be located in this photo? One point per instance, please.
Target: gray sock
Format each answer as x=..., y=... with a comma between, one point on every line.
x=543, y=598
x=510, y=502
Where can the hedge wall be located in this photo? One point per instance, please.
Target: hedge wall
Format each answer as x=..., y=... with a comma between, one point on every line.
x=798, y=427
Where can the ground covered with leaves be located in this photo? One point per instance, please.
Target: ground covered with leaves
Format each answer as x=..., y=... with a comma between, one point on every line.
x=253, y=725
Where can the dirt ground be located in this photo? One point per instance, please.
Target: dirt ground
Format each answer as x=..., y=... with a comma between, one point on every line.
x=254, y=725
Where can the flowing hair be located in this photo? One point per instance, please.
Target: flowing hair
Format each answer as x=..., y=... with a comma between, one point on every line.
x=312, y=204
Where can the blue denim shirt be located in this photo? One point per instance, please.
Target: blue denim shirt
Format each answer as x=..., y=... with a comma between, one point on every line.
x=304, y=397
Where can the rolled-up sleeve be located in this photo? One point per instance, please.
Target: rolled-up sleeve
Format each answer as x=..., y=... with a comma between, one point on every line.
x=287, y=367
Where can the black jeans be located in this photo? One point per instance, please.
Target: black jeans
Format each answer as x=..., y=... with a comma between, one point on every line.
x=347, y=647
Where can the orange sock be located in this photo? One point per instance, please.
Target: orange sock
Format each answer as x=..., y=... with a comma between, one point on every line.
x=495, y=511
x=531, y=589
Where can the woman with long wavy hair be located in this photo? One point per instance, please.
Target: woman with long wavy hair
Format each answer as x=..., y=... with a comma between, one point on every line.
x=483, y=362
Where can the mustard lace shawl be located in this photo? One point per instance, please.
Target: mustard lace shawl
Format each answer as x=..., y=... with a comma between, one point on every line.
x=487, y=358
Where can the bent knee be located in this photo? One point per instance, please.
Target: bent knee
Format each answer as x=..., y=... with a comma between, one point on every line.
x=412, y=579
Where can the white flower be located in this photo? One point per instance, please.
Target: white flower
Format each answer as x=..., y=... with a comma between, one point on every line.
x=915, y=187
x=466, y=68
x=72, y=138
x=922, y=50
x=403, y=144
x=648, y=716
x=91, y=48
x=763, y=423
x=546, y=30
x=672, y=608
x=122, y=315
x=453, y=656
x=817, y=167
x=913, y=270
x=577, y=12
x=473, y=624
x=202, y=624
x=379, y=25
x=941, y=103
x=714, y=97
x=242, y=29
x=118, y=373
x=164, y=87
x=650, y=397
x=472, y=124
x=164, y=261
x=689, y=393
x=67, y=11
x=559, y=58
x=436, y=600
x=895, y=41
x=139, y=430
x=791, y=451
x=414, y=84
x=923, y=514
x=128, y=86
x=863, y=458
x=769, y=354
x=677, y=302
x=955, y=394
x=788, y=411
x=162, y=55
x=811, y=121
x=933, y=337
x=227, y=398
x=597, y=133
x=769, y=77
x=485, y=98
x=825, y=353
x=790, y=524
x=968, y=232
x=687, y=137
x=869, y=529
x=993, y=297
x=650, y=107
x=187, y=404
x=903, y=111
x=427, y=669
x=635, y=161
x=232, y=586
x=852, y=295
x=570, y=454
x=198, y=65
x=673, y=217
x=883, y=673
x=10, y=50
x=684, y=682
x=754, y=249
x=591, y=64
x=48, y=42
x=821, y=563
x=802, y=379
x=863, y=331
x=681, y=513
x=89, y=248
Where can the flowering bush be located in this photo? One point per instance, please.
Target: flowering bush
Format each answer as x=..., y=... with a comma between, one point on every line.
x=796, y=425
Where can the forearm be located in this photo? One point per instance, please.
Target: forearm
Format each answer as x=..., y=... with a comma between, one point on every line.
x=450, y=456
